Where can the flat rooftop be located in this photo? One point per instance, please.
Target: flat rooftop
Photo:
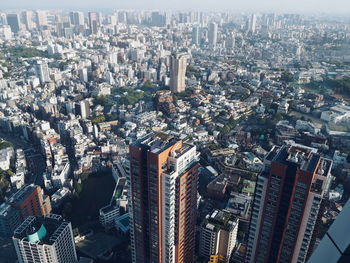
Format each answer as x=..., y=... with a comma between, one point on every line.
x=97, y=244
x=22, y=194
x=108, y=208
x=158, y=142
x=221, y=219
x=33, y=227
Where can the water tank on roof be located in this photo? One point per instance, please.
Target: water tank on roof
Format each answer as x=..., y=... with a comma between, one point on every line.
x=38, y=235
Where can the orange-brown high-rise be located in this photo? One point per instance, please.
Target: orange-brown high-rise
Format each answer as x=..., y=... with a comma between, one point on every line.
x=31, y=202
x=163, y=198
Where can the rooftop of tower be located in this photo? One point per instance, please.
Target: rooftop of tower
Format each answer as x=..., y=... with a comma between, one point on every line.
x=306, y=158
x=41, y=230
x=18, y=197
x=158, y=142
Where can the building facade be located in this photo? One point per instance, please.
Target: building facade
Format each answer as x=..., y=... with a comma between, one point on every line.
x=108, y=215
x=94, y=22
x=10, y=219
x=178, y=65
x=163, y=196
x=288, y=205
x=30, y=201
x=14, y=22
x=213, y=35
x=335, y=244
x=45, y=240
x=218, y=236
x=42, y=71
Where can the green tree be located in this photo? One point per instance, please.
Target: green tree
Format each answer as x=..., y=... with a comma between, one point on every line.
x=84, y=176
x=78, y=188
x=148, y=84
x=98, y=119
x=4, y=144
x=4, y=183
x=103, y=101
x=287, y=76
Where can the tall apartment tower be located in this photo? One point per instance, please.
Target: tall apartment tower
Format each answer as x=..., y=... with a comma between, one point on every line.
x=94, y=22
x=46, y=239
x=41, y=16
x=76, y=18
x=84, y=109
x=28, y=19
x=178, y=66
x=288, y=205
x=163, y=196
x=42, y=71
x=14, y=22
x=252, y=23
x=196, y=35
x=213, y=35
x=218, y=235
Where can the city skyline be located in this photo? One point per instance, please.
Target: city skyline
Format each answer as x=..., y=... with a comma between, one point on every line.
x=185, y=136
x=298, y=6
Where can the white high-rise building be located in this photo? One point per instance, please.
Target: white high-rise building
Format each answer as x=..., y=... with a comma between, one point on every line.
x=83, y=75
x=178, y=66
x=42, y=71
x=113, y=58
x=76, y=18
x=114, y=20
x=41, y=18
x=84, y=109
x=213, y=35
x=28, y=19
x=46, y=239
x=231, y=42
x=252, y=23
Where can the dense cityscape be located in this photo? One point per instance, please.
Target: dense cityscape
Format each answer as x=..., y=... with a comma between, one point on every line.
x=174, y=137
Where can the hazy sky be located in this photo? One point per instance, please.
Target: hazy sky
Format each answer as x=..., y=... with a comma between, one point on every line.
x=300, y=6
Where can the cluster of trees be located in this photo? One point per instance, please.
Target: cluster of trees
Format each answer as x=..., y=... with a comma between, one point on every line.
x=5, y=144
x=4, y=182
x=182, y=95
x=78, y=187
x=103, y=100
x=341, y=86
x=269, y=122
x=287, y=76
x=5, y=64
x=29, y=52
x=193, y=71
x=229, y=126
x=132, y=97
x=98, y=119
x=148, y=84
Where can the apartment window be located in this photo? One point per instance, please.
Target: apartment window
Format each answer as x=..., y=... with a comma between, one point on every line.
x=302, y=185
